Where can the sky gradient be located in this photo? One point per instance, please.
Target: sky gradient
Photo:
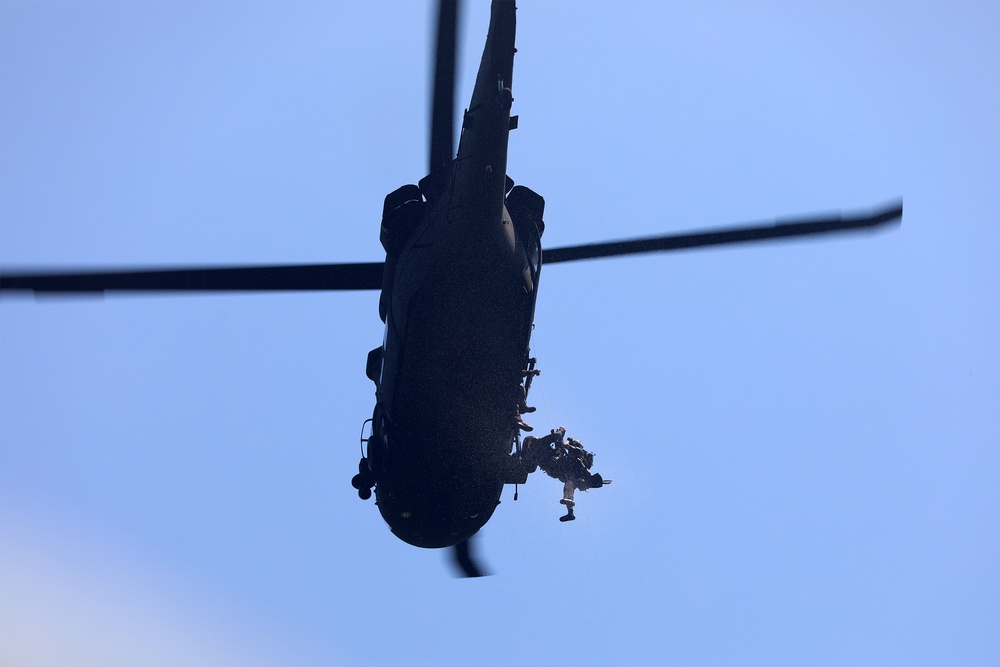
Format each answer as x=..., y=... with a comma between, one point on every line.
x=804, y=436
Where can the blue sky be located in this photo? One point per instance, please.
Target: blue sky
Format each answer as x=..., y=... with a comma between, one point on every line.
x=803, y=436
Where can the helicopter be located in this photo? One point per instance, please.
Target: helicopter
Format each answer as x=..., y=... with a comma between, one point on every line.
x=458, y=290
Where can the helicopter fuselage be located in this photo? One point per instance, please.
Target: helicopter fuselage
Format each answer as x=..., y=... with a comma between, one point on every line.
x=458, y=305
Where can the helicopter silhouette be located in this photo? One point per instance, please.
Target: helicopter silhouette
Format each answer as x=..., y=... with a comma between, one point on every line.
x=458, y=290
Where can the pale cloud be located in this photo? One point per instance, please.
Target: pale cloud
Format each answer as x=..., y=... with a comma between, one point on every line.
x=70, y=598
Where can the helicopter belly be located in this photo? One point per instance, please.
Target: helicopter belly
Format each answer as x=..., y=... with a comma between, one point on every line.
x=448, y=393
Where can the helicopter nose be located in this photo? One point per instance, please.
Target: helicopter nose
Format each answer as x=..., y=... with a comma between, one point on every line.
x=433, y=521
x=430, y=534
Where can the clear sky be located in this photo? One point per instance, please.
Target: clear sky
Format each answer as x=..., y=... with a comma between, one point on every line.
x=804, y=436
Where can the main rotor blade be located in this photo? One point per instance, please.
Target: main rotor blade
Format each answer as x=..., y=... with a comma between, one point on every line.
x=304, y=277
x=776, y=230
x=442, y=148
x=465, y=561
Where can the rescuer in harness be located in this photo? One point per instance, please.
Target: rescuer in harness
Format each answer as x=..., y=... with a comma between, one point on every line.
x=564, y=459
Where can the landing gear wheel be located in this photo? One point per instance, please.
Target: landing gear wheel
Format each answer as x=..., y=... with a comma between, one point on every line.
x=364, y=493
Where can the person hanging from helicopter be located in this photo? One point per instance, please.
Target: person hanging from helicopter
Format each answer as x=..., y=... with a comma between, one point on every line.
x=523, y=408
x=564, y=459
x=522, y=402
x=537, y=451
x=530, y=373
x=522, y=397
x=519, y=420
